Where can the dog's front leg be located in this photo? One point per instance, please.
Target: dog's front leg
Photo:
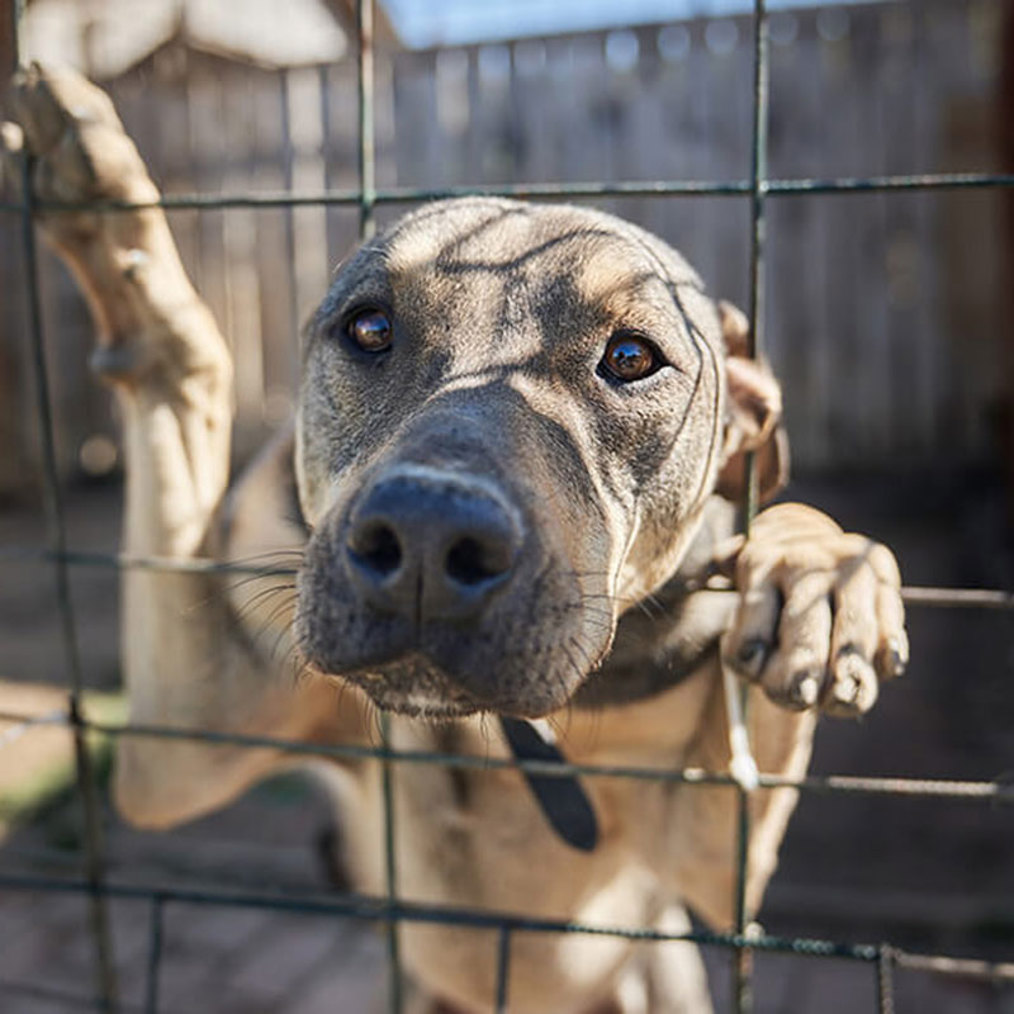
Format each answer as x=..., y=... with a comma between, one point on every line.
x=159, y=347
x=819, y=626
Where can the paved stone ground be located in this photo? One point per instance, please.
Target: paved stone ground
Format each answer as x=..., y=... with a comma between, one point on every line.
x=214, y=958
x=927, y=876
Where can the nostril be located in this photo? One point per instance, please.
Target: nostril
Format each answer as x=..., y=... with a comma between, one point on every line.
x=470, y=561
x=377, y=547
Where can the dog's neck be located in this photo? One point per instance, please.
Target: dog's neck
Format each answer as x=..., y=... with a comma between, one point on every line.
x=665, y=638
x=659, y=643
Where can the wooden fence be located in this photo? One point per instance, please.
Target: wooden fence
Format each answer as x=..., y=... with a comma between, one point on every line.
x=884, y=310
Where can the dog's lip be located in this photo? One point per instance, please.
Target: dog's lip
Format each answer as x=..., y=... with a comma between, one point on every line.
x=447, y=700
x=417, y=695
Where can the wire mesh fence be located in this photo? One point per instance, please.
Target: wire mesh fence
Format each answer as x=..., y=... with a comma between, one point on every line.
x=390, y=910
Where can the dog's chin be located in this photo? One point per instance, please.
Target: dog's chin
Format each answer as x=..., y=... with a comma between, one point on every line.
x=419, y=705
x=416, y=687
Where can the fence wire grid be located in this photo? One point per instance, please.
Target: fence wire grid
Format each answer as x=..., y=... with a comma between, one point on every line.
x=882, y=959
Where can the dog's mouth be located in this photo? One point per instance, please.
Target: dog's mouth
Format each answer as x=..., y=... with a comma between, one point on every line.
x=415, y=686
x=432, y=593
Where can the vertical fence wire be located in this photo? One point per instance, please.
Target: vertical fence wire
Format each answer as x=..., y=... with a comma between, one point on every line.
x=390, y=872
x=154, y=954
x=743, y=962
x=56, y=536
x=289, y=213
x=503, y=968
x=367, y=132
x=367, y=228
x=885, y=979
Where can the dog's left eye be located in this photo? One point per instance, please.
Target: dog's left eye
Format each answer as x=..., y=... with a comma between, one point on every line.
x=629, y=357
x=371, y=330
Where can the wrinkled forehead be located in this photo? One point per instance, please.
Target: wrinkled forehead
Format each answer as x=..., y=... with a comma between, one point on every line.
x=513, y=243
x=550, y=272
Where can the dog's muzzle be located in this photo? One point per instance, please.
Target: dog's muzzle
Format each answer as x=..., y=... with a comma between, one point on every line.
x=427, y=544
x=445, y=583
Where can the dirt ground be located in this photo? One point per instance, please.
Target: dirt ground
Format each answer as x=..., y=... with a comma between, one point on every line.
x=928, y=876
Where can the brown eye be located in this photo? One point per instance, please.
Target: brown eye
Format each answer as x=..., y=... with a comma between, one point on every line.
x=371, y=330
x=629, y=357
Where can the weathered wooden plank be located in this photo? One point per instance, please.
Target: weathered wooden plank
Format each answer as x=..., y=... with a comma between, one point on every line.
x=801, y=337
x=273, y=255
x=417, y=139
x=971, y=236
x=884, y=310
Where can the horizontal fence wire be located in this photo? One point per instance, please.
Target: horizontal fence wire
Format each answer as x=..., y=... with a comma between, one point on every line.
x=93, y=857
x=389, y=910
x=377, y=909
x=353, y=197
x=912, y=595
x=999, y=791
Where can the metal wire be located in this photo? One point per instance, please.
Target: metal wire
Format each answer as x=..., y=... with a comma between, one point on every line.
x=57, y=537
x=885, y=980
x=154, y=954
x=367, y=136
x=367, y=228
x=25, y=725
x=389, y=909
x=742, y=971
x=377, y=909
x=804, y=186
x=503, y=964
x=997, y=792
x=912, y=595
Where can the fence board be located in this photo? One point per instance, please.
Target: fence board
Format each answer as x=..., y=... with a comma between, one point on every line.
x=881, y=307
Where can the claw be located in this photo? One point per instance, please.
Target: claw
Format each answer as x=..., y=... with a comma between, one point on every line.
x=892, y=659
x=854, y=688
x=845, y=691
x=12, y=137
x=117, y=361
x=806, y=689
x=800, y=693
x=12, y=144
x=750, y=657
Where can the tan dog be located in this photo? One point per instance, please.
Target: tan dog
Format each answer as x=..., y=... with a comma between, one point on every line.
x=513, y=422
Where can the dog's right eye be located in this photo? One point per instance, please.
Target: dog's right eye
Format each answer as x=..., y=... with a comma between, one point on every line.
x=371, y=330
x=629, y=357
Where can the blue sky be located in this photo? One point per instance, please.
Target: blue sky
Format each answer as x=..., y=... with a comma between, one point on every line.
x=432, y=22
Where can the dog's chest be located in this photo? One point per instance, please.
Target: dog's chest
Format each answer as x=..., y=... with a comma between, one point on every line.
x=465, y=825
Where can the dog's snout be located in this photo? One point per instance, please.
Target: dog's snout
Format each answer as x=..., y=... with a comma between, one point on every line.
x=430, y=544
x=374, y=546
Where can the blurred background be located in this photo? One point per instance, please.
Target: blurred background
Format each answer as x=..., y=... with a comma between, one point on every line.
x=888, y=321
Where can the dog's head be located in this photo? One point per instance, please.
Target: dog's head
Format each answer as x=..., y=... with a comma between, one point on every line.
x=510, y=418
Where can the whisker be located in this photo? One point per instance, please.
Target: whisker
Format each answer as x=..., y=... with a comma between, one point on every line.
x=256, y=601
x=286, y=630
x=242, y=582
x=259, y=575
x=282, y=553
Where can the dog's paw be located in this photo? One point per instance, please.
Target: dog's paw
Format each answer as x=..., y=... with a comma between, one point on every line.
x=80, y=152
x=820, y=621
x=150, y=324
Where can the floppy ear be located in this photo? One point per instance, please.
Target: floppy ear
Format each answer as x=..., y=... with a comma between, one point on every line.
x=754, y=420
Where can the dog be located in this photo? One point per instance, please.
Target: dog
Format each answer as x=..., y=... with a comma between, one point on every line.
x=508, y=498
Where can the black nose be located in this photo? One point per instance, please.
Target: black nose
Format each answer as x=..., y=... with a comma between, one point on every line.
x=429, y=544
